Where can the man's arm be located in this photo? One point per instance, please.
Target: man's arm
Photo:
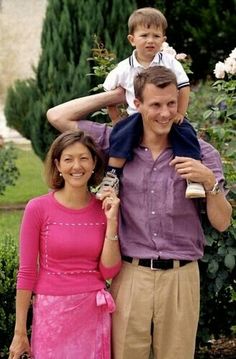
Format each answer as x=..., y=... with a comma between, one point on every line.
x=65, y=116
x=219, y=210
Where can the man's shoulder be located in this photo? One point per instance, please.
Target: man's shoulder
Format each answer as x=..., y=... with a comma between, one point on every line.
x=207, y=148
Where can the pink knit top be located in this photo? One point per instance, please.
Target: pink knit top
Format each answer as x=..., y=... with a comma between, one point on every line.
x=60, y=248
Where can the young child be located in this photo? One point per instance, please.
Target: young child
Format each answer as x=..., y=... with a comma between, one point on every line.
x=147, y=28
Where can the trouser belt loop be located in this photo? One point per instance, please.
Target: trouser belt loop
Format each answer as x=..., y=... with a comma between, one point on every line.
x=176, y=264
x=135, y=262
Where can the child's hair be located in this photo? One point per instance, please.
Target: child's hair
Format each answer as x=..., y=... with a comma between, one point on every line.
x=147, y=16
x=159, y=76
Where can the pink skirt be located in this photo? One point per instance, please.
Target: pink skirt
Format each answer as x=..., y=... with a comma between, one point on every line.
x=72, y=327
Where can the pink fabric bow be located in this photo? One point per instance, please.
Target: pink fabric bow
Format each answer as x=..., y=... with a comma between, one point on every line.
x=104, y=298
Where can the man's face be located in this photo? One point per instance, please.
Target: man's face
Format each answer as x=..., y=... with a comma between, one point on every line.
x=158, y=108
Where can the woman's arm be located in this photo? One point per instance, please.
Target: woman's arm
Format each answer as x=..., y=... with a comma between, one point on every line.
x=20, y=343
x=110, y=260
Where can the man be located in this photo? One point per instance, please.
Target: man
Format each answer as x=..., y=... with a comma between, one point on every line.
x=157, y=291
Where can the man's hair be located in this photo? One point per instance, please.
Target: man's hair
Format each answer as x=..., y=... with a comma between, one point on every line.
x=147, y=17
x=68, y=138
x=159, y=76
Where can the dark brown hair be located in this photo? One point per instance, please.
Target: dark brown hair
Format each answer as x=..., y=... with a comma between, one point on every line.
x=159, y=76
x=53, y=178
x=147, y=17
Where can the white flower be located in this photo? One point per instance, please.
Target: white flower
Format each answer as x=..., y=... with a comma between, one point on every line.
x=168, y=49
x=233, y=54
x=230, y=65
x=181, y=56
x=219, y=70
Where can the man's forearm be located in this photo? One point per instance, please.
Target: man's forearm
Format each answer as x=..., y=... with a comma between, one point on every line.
x=219, y=211
x=65, y=116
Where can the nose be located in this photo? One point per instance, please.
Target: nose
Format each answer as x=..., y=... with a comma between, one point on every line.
x=76, y=163
x=165, y=112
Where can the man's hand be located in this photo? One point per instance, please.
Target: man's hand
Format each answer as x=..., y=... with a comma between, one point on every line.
x=194, y=170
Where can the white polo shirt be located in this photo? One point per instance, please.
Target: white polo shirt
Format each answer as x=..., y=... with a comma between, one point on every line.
x=124, y=73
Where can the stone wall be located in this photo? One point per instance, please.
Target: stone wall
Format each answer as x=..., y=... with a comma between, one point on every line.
x=20, y=33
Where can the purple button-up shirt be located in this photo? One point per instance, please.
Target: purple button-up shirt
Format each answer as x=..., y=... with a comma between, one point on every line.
x=156, y=218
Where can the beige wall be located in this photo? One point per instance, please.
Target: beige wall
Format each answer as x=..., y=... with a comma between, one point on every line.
x=20, y=32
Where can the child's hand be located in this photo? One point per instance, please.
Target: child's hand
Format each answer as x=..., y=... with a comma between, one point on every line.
x=178, y=119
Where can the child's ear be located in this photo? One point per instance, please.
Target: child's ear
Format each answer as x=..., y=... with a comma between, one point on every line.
x=131, y=39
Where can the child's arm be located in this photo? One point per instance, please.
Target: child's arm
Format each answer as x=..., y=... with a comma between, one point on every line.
x=114, y=114
x=183, y=101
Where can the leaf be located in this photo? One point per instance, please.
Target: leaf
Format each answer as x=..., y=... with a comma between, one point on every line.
x=207, y=114
x=230, y=261
x=213, y=266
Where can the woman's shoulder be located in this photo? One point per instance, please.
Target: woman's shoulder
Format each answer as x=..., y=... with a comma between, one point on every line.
x=40, y=201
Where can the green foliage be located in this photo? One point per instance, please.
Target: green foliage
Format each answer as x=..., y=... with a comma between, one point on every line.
x=8, y=170
x=67, y=39
x=199, y=28
x=8, y=269
x=218, y=266
x=30, y=183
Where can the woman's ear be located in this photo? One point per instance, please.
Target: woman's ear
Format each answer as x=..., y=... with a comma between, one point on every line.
x=56, y=162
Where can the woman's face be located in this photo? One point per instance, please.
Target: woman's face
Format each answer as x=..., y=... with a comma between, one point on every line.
x=76, y=165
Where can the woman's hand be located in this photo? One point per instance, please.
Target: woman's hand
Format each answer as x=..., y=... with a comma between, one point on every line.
x=19, y=346
x=110, y=204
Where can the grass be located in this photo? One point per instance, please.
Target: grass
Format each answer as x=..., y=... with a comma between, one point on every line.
x=30, y=182
x=10, y=224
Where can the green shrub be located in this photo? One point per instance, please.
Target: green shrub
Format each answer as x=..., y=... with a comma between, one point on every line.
x=8, y=269
x=8, y=170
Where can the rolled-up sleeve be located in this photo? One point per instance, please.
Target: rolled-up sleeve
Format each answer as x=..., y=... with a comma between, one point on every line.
x=99, y=131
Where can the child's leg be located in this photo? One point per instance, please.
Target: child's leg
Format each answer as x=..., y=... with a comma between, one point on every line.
x=185, y=144
x=124, y=137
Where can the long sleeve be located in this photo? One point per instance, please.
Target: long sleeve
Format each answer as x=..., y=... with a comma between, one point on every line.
x=29, y=247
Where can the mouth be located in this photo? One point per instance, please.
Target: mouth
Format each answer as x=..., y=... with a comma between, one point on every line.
x=76, y=175
x=163, y=122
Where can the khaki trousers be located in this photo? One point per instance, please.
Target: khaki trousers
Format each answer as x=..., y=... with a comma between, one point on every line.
x=156, y=311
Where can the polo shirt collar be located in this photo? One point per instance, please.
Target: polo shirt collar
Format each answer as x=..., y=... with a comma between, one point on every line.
x=156, y=61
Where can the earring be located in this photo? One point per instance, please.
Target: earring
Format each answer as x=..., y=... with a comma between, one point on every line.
x=60, y=174
x=92, y=171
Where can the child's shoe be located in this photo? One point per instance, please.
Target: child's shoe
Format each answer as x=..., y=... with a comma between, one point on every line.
x=110, y=180
x=195, y=190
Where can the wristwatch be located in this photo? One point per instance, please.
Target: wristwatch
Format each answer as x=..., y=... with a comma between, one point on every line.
x=215, y=190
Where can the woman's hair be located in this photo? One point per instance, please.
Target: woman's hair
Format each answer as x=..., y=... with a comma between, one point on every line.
x=68, y=138
x=159, y=76
x=147, y=17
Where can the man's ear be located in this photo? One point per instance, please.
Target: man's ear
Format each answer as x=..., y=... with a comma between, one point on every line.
x=137, y=103
x=131, y=39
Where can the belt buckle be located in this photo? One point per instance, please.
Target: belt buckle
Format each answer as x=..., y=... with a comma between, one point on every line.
x=152, y=268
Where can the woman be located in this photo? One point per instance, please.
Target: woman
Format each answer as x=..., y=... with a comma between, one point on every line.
x=68, y=247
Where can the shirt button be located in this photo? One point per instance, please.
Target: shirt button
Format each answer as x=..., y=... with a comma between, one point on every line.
x=153, y=212
x=146, y=149
x=152, y=191
x=155, y=234
x=154, y=169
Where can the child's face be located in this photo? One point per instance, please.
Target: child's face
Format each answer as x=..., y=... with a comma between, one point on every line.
x=147, y=41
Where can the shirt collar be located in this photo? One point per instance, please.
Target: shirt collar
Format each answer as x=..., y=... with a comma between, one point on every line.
x=156, y=61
